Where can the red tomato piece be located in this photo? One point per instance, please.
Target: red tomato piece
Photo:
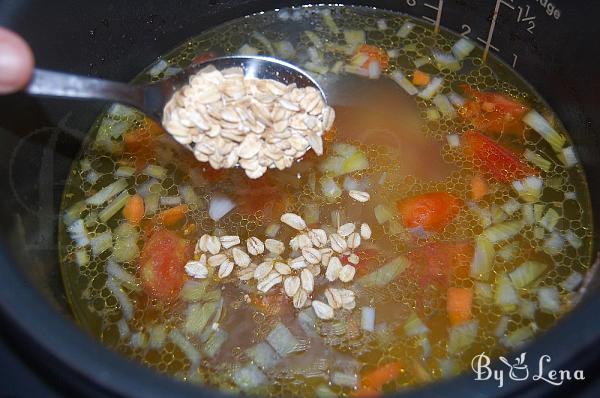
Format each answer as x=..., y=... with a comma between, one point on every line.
x=162, y=264
x=432, y=211
x=501, y=163
x=375, y=54
x=494, y=112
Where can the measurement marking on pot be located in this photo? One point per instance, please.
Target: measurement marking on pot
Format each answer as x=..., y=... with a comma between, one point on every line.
x=438, y=17
x=488, y=41
x=524, y=16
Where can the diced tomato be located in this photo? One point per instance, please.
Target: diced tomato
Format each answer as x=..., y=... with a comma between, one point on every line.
x=375, y=54
x=432, y=211
x=499, y=162
x=162, y=263
x=493, y=112
x=275, y=303
x=261, y=194
x=142, y=142
x=458, y=304
x=436, y=262
x=367, y=260
x=203, y=57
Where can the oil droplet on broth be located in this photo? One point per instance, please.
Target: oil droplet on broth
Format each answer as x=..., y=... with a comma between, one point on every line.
x=409, y=151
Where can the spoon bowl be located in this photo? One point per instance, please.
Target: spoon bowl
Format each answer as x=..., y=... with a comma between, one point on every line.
x=152, y=98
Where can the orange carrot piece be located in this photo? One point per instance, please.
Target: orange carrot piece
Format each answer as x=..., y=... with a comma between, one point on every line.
x=173, y=215
x=375, y=380
x=458, y=304
x=479, y=188
x=366, y=392
x=134, y=209
x=421, y=78
x=375, y=54
x=432, y=210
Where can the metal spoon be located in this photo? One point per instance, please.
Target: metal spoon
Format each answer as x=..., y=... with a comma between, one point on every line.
x=152, y=98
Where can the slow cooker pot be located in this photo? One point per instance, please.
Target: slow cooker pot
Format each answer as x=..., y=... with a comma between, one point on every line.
x=551, y=43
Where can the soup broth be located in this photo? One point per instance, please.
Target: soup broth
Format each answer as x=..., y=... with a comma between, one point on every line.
x=479, y=224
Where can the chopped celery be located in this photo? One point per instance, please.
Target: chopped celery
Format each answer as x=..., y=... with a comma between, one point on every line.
x=572, y=282
x=329, y=22
x=311, y=213
x=124, y=171
x=266, y=43
x=263, y=355
x=526, y=273
x=125, y=248
x=528, y=214
x=197, y=316
x=113, y=207
x=509, y=251
x=481, y=265
x=383, y=213
x=157, y=336
x=215, y=342
x=101, y=242
x=249, y=377
x=82, y=258
x=518, y=337
x=483, y=292
x=354, y=36
x=498, y=214
x=344, y=379
x=151, y=203
x=511, y=206
x=155, y=171
x=432, y=88
x=414, y=326
x=503, y=231
x=527, y=309
x=505, y=295
x=386, y=273
x=74, y=212
x=538, y=211
x=461, y=337
x=123, y=299
x=120, y=274
x=442, y=102
x=79, y=233
x=483, y=214
x=537, y=160
x=283, y=341
x=538, y=123
x=462, y=48
x=529, y=188
x=107, y=193
x=139, y=340
x=403, y=82
x=448, y=367
x=501, y=326
x=185, y=346
x=432, y=115
x=538, y=233
x=574, y=240
x=405, y=30
x=549, y=299
x=550, y=219
x=554, y=243
x=356, y=162
x=330, y=189
x=189, y=195
x=568, y=156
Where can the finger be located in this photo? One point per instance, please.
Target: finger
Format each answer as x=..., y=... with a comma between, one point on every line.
x=16, y=62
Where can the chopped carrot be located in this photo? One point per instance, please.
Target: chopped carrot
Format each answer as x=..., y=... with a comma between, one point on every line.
x=172, y=216
x=421, y=78
x=374, y=53
x=134, y=209
x=432, y=211
x=372, y=383
x=458, y=305
x=479, y=187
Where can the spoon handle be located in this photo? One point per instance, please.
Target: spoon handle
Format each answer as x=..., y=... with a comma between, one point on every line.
x=65, y=85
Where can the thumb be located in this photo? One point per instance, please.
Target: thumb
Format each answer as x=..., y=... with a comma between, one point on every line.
x=16, y=62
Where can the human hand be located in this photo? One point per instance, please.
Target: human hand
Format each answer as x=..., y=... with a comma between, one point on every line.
x=16, y=62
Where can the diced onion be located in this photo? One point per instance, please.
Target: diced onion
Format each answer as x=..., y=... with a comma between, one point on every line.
x=78, y=233
x=526, y=273
x=344, y=379
x=549, y=299
x=529, y=189
x=481, y=265
x=107, y=193
x=283, y=341
x=570, y=195
x=185, y=346
x=374, y=70
x=367, y=319
x=501, y=326
x=116, y=271
x=393, y=53
x=160, y=66
x=405, y=30
x=537, y=159
x=574, y=240
x=527, y=309
x=381, y=24
x=123, y=111
x=322, y=391
x=157, y=336
x=92, y=176
x=443, y=104
x=484, y=292
x=170, y=200
x=505, y=295
x=503, y=231
x=498, y=215
x=124, y=301
x=456, y=99
x=172, y=71
x=197, y=316
x=448, y=367
x=528, y=214
x=518, y=337
x=569, y=157
x=155, y=171
x=461, y=337
x=414, y=326
x=124, y=171
x=453, y=140
x=383, y=213
x=538, y=123
x=509, y=251
x=572, y=282
x=315, y=56
x=511, y=206
x=432, y=88
x=272, y=230
x=101, y=242
x=385, y=274
x=331, y=190
x=403, y=82
x=247, y=50
x=550, y=219
x=123, y=328
x=249, y=377
x=554, y=243
x=82, y=258
x=266, y=43
x=462, y=48
x=284, y=49
x=151, y=203
x=421, y=61
x=263, y=355
x=219, y=206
